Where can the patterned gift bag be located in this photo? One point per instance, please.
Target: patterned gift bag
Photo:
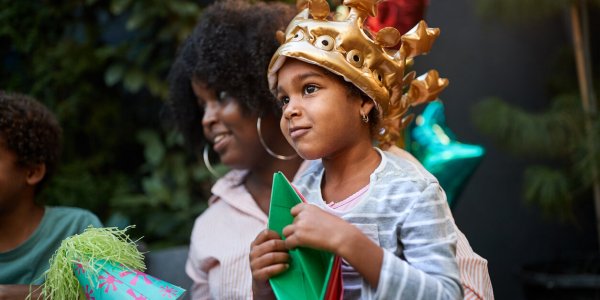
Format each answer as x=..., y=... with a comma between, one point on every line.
x=107, y=280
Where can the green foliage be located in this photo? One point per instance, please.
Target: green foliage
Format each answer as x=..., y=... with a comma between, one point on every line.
x=557, y=136
x=550, y=189
x=101, y=66
x=548, y=134
x=169, y=181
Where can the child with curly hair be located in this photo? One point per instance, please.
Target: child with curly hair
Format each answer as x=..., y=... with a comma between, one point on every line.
x=340, y=88
x=30, y=232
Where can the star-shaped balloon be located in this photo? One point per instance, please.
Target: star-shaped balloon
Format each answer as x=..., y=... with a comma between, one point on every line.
x=436, y=147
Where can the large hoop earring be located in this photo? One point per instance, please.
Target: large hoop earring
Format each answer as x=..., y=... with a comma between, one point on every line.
x=207, y=162
x=262, y=141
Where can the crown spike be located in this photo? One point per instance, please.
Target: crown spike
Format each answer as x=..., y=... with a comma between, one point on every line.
x=419, y=39
x=319, y=9
x=388, y=37
x=364, y=6
x=426, y=88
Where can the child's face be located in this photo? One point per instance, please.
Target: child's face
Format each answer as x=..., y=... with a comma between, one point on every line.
x=12, y=179
x=230, y=131
x=320, y=117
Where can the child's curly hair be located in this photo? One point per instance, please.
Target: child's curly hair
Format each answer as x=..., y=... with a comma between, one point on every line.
x=31, y=131
x=230, y=49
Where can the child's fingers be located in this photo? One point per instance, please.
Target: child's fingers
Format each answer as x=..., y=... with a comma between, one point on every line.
x=266, y=243
x=265, y=273
x=268, y=255
x=292, y=242
x=297, y=209
x=288, y=230
x=293, y=238
x=269, y=259
x=266, y=263
x=264, y=236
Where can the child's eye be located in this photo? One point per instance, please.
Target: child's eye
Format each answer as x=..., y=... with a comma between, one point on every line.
x=310, y=88
x=284, y=100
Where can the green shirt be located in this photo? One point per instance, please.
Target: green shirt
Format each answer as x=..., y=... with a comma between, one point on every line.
x=27, y=263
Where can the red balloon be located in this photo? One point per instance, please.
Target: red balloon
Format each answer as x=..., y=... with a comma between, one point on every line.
x=401, y=14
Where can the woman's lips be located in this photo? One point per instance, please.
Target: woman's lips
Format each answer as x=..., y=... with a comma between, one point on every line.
x=220, y=142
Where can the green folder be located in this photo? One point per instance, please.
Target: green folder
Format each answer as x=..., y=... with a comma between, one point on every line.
x=310, y=269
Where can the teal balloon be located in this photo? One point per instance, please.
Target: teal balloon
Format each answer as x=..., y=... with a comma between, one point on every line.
x=436, y=147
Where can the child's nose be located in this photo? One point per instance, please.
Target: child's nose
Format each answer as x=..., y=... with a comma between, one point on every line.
x=291, y=109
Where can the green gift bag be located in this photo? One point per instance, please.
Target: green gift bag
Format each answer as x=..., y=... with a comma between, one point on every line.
x=313, y=274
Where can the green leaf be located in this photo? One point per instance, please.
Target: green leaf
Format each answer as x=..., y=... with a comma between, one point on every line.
x=133, y=81
x=548, y=134
x=184, y=8
x=117, y=7
x=550, y=190
x=113, y=74
x=154, y=151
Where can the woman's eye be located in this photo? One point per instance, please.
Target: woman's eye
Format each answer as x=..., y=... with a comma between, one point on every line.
x=201, y=103
x=223, y=95
x=309, y=89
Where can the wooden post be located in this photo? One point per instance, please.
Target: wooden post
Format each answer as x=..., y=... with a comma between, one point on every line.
x=588, y=100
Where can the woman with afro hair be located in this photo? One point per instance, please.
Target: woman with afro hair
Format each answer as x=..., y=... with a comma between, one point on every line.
x=221, y=103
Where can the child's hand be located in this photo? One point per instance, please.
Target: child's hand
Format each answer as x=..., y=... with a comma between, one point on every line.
x=268, y=257
x=315, y=228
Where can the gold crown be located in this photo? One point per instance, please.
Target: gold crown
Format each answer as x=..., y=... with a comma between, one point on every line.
x=345, y=48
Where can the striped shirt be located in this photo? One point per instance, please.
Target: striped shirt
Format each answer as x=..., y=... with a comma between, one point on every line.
x=406, y=213
x=220, y=242
x=474, y=275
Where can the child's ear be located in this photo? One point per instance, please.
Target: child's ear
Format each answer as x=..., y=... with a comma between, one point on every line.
x=366, y=106
x=35, y=174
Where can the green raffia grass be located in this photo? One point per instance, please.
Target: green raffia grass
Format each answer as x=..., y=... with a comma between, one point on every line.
x=87, y=248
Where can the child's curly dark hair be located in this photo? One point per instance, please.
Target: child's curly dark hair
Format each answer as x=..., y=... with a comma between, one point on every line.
x=31, y=131
x=230, y=49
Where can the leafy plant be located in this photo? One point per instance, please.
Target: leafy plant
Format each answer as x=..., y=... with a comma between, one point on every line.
x=566, y=136
x=100, y=65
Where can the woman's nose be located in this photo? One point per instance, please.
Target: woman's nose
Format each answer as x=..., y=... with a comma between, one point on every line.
x=211, y=114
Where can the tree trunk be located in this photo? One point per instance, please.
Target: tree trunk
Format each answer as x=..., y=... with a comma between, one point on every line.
x=586, y=89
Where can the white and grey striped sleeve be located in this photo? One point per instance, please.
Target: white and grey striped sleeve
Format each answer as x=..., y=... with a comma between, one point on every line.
x=427, y=267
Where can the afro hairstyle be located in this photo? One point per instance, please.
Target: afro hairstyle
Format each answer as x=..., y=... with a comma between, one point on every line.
x=230, y=50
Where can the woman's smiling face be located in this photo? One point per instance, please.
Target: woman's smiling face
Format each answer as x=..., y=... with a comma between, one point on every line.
x=230, y=130
x=320, y=117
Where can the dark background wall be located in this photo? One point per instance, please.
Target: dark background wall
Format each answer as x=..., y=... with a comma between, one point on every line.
x=489, y=58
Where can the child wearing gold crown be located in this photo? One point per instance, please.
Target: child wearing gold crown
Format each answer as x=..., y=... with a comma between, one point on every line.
x=385, y=215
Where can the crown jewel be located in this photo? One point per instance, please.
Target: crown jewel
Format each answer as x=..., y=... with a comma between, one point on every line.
x=345, y=48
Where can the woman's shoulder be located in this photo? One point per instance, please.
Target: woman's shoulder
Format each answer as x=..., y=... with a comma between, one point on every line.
x=400, y=169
